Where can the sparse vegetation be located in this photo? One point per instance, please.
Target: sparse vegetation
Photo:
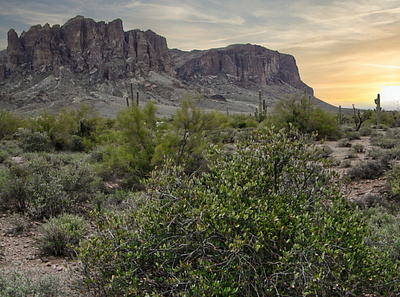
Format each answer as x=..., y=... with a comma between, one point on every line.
x=20, y=282
x=61, y=235
x=203, y=203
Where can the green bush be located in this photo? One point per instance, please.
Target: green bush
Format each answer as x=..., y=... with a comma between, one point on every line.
x=325, y=151
x=369, y=170
x=385, y=233
x=19, y=224
x=20, y=282
x=266, y=220
x=393, y=181
x=3, y=156
x=300, y=113
x=34, y=141
x=388, y=140
x=365, y=130
x=9, y=123
x=45, y=185
x=358, y=148
x=240, y=121
x=60, y=235
x=344, y=142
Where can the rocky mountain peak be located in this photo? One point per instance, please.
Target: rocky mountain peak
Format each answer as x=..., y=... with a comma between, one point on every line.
x=88, y=46
x=100, y=63
x=247, y=63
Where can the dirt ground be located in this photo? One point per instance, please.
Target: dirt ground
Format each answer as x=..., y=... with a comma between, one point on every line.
x=345, y=158
x=18, y=250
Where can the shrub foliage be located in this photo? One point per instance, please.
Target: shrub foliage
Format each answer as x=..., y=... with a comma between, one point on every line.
x=264, y=220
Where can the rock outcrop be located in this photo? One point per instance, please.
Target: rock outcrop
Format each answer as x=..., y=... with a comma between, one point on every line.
x=98, y=63
x=247, y=63
x=88, y=46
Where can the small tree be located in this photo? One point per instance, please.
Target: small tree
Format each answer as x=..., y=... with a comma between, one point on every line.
x=360, y=117
x=300, y=113
x=131, y=152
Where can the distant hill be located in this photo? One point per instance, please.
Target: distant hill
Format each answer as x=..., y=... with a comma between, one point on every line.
x=100, y=64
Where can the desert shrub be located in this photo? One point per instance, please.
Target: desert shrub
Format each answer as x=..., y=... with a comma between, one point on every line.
x=191, y=132
x=353, y=135
x=384, y=142
x=385, y=233
x=3, y=156
x=46, y=186
x=345, y=164
x=358, y=148
x=19, y=224
x=33, y=141
x=365, y=130
x=394, y=153
x=63, y=127
x=393, y=181
x=351, y=155
x=388, y=140
x=9, y=123
x=300, y=113
x=241, y=121
x=369, y=170
x=344, y=142
x=131, y=148
x=347, y=127
x=371, y=200
x=20, y=282
x=325, y=151
x=375, y=153
x=11, y=147
x=76, y=144
x=265, y=220
x=60, y=235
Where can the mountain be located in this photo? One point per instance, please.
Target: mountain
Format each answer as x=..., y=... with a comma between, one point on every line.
x=102, y=65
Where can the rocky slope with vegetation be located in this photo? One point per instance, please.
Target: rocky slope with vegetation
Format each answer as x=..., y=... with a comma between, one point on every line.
x=102, y=65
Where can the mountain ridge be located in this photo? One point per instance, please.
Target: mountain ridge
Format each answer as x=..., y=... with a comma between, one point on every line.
x=100, y=64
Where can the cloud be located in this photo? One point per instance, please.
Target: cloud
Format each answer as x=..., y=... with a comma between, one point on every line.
x=186, y=13
x=381, y=66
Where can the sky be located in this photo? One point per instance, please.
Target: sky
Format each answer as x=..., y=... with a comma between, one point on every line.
x=348, y=51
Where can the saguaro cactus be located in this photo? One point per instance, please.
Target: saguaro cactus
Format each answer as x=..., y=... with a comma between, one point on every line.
x=261, y=113
x=378, y=109
x=132, y=98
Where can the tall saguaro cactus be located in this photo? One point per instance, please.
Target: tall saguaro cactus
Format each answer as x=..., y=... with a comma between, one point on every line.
x=378, y=109
x=261, y=112
x=132, y=98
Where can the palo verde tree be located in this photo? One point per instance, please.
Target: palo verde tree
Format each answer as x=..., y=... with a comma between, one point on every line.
x=131, y=152
x=302, y=114
x=188, y=135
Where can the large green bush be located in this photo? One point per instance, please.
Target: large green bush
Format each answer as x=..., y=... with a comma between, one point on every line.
x=265, y=220
x=9, y=123
x=48, y=185
x=302, y=114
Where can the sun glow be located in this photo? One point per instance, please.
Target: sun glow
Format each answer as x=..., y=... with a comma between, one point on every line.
x=390, y=97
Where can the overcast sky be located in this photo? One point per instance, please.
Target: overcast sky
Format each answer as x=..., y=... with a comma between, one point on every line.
x=346, y=50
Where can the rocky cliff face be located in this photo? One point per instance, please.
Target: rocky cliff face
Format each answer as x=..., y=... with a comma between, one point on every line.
x=100, y=64
x=246, y=63
x=89, y=46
